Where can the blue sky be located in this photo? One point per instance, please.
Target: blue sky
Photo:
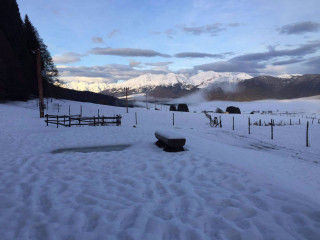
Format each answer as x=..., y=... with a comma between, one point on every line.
x=114, y=40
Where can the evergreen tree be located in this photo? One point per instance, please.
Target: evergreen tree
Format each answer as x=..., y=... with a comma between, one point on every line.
x=13, y=54
x=49, y=71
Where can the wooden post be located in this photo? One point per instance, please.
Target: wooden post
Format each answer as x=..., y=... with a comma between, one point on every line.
x=58, y=107
x=173, y=119
x=127, y=97
x=64, y=120
x=47, y=116
x=220, y=123
x=136, y=118
x=81, y=111
x=94, y=121
x=249, y=126
x=69, y=121
x=307, y=135
x=260, y=122
x=69, y=110
x=290, y=121
x=40, y=86
x=299, y=121
x=98, y=112
x=272, y=129
x=57, y=121
x=103, y=120
x=233, y=123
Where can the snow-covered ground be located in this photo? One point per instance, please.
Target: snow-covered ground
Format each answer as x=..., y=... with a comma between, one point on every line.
x=226, y=185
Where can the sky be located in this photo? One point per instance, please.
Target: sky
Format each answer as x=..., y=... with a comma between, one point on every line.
x=115, y=40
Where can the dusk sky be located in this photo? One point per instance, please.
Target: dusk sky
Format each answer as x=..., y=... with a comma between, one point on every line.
x=115, y=40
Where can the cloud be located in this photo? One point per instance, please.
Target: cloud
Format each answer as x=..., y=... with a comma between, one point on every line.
x=299, y=28
x=134, y=63
x=170, y=33
x=68, y=57
x=97, y=40
x=230, y=66
x=109, y=73
x=212, y=29
x=286, y=62
x=300, y=51
x=312, y=65
x=113, y=33
x=197, y=55
x=157, y=64
x=127, y=52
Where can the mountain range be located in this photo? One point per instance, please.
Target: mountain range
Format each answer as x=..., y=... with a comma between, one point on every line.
x=213, y=85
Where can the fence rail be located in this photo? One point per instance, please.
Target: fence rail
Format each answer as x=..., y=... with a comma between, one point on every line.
x=77, y=120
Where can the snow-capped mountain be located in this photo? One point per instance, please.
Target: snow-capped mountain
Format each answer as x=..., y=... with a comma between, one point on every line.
x=288, y=76
x=158, y=82
x=85, y=86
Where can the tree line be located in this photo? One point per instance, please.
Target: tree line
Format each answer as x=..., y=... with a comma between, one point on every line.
x=19, y=41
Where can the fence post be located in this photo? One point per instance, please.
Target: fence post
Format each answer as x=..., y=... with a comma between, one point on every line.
x=249, y=125
x=260, y=122
x=69, y=110
x=98, y=112
x=69, y=121
x=290, y=121
x=220, y=122
x=173, y=119
x=57, y=121
x=47, y=119
x=232, y=123
x=307, y=135
x=102, y=120
x=64, y=120
x=272, y=129
x=136, y=118
x=94, y=121
x=58, y=107
x=299, y=121
x=81, y=111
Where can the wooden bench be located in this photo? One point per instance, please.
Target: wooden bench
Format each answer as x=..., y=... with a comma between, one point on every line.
x=169, y=141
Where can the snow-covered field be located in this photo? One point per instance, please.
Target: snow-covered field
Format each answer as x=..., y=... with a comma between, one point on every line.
x=226, y=185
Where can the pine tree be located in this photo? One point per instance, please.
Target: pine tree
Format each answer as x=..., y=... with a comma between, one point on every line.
x=13, y=54
x=49, y=71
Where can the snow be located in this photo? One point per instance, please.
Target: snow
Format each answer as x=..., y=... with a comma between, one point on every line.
x=288, y=76
x=200, y=80
x=226, y=185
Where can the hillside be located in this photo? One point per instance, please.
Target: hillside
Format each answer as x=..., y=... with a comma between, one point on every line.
x=264, y=87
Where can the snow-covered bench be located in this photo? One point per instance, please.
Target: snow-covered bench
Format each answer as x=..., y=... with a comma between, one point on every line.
x=170, y=141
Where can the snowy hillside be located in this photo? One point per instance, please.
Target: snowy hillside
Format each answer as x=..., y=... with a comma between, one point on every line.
x=227, y=185
x=151, y=81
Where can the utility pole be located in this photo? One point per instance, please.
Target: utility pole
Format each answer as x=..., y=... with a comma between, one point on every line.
x=126, y=89
x=40, y=86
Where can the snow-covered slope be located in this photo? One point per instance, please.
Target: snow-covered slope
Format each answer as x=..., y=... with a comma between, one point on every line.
x=288, y=76
x=151, y=81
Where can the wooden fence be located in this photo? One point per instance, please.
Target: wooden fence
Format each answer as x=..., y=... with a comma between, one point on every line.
x=77, y=120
